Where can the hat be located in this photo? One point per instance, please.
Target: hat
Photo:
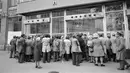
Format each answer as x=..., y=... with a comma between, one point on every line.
x=95, y=35
x=38, y=39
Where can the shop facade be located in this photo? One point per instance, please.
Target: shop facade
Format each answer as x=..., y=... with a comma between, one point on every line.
x=107, y=18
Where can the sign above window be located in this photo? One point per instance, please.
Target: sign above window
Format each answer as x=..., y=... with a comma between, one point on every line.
x=84, y=16
x=43, y=20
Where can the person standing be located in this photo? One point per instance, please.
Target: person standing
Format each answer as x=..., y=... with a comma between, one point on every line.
x=37, y=52
x=62, y=48
x=46, y=48
x=13, y=47
x=56, y=49
x=28, y=49
x=67, y=48
x=90, y=47
x=82, y=46
x=121, y=51
x=22, y=46
x=75, y=49
x=108, y=48
x=98, y=49
x=113, y=47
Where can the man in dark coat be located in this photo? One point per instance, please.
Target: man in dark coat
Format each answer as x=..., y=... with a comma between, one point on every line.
x=13, y=47
x=22, y=48
x=121, y=51
x=82, y=46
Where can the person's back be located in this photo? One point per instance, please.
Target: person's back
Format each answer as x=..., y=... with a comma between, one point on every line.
x=108, y=44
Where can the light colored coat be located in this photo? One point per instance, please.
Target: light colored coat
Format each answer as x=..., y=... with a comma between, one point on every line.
x=75, y=45
x=98, y=48
x=46, y=45
x=56, y=45
x=67, y=46
x=113, y=47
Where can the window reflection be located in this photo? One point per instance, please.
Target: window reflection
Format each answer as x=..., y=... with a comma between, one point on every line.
x=114, y=6
x=115, y=21
x=40, y=28
x=86, y=25
x=58, y=25
x=83, y=10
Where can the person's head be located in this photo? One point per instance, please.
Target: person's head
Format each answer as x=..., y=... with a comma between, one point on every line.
x=101, y=35
x=47, y=36
x=29, y=37
x=23, y=35
x=118, y=34
x=14, y=37
x=74, y=36
x=95, y=35
x=113, y=35
x=109, y=37
x=67, y=37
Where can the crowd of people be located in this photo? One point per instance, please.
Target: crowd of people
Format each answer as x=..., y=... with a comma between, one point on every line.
x=80, y=47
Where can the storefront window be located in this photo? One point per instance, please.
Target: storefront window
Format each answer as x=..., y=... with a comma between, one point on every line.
x=114, y=6
x=115, y=21
x=40, y=28
x=57, y=13
x=83, y=10
x=31, y=17
x=129, y=22
x=128, y=5
x=58, y=25
x=45, y=15
x=86, y=25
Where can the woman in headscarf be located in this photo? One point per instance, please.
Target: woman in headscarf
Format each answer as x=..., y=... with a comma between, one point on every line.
x=98, y=49
x=37, y=52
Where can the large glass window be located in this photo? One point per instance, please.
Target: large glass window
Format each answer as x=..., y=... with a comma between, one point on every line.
x=58, y=25
x=58, y=21
x=128, y=5
x=31, y=17
x=45, y=15
x=115, y=21
x=129, y=22
x=57, y=13
x=39, y=28
x=86, y=25
x=114, y=6
x=83, y=10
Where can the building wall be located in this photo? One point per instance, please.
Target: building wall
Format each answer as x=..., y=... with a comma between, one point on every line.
x=36, y=5
x=4, y=27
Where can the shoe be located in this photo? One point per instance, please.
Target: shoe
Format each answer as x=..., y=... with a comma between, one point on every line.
x=91, y=62
x=36, y=66
x=120, y=68
x=96, y=64
x=128, y=66
x=102, y=65
x=78, y=65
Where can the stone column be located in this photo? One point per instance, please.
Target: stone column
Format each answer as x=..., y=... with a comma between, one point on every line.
x=104, y=22
x=51, y=24
x=126, y=25
x=23, y=25
x=4, y=25
x=65, y=24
